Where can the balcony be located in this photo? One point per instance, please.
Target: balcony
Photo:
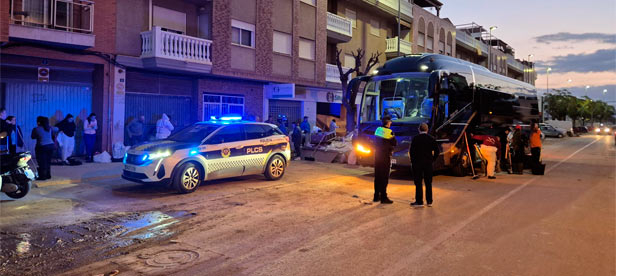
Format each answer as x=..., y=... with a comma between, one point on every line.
x=471, y=43
x=392, y=47
x=332, y=73
x=339, y=28
x=515, y=64
x=55, y=22
x=169, y=50
x=391, y=7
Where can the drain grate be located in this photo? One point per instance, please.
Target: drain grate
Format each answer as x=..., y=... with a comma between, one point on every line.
x=170, y=258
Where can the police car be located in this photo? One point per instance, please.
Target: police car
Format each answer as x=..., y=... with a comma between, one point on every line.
x=220, y=148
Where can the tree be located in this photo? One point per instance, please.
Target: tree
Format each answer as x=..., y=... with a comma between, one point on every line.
x=349, y=96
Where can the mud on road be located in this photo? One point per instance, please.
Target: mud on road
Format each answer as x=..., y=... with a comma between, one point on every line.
x=39, y=250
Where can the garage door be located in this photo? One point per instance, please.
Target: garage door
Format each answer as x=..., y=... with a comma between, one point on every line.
x=27, y=100
x=292, y=109
x=178, y=108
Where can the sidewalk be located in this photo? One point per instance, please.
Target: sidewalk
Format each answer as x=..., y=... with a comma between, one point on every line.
x=61, y=175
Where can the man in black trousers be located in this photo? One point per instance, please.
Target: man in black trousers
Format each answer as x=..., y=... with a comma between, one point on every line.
x=423, y=151
x=385, y=143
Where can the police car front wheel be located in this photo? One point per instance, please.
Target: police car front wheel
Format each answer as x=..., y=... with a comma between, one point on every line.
x=188, y=178
x=275, y=168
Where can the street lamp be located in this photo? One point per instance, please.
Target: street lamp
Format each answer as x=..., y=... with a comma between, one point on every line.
x=547, y=70
x=490, y=45
x=586, y=87
x=604, y=93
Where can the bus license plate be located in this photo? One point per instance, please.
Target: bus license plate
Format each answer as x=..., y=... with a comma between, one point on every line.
x=130, y=168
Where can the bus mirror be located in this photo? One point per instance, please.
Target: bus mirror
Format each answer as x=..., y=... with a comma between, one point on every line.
x=444, y=83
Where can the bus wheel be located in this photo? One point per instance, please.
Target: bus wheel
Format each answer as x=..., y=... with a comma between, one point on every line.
x=461, y=165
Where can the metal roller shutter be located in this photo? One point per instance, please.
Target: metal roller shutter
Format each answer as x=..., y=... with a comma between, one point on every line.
x=178, y=108
x=292, y=109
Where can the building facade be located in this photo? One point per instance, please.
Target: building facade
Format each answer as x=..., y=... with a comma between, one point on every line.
x=193, y=59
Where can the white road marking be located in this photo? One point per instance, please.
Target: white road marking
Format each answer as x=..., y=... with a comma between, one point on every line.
x=405, y=267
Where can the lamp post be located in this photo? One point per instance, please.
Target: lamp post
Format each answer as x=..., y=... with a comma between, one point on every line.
x=604, y=93
x=586, y=87
x=529, y=69
x=490, y=45
x=398, y=45
x=547, y=71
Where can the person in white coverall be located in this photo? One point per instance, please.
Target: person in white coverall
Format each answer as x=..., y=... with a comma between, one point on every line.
x=163, y=127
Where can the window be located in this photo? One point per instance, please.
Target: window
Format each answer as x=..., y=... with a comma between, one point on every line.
x=429, y=44
x=351, y=15
x=170, y=20
x=219, y=105
x=307, y=49
x=374, y=27
x=310, y=2
x=350, y=61
x=420, y=39
x=281, y=43
x=259, y=131
x=193, y=134
x=228, y=134
x=242, y=33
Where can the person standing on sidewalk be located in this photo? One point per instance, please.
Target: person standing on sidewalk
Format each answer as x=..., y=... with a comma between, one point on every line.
x=296, y=139
x=423, y=151
x=306, y=131
x=90, y=127
x=535, y=143
x=163, y=127
x=66, y=137
x=44, y=136
x=136, y=130
x=385, y=143
x=490, y=149
x=15, y=136
x=518, y=150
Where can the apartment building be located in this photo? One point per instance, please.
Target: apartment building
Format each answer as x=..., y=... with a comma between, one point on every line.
x=57, y=58
x=193, y=59
x=475, y=43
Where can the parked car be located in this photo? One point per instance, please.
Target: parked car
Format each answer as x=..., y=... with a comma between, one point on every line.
x=580, y=130
x=550, y=131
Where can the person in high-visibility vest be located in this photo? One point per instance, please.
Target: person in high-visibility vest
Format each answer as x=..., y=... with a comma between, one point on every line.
x=384, y=146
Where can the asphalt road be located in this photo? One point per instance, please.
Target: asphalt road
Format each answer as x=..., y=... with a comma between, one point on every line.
x=319, y=220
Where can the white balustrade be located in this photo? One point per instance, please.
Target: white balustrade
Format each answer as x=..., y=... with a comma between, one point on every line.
x=163, y=44
x=332, y=73
x=392, y=46
x=339, y=24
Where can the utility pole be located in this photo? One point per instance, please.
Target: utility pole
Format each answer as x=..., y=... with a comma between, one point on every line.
x=398, y=40
x=490, y=45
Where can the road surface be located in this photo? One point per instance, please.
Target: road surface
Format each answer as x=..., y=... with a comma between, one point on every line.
x=319, y=220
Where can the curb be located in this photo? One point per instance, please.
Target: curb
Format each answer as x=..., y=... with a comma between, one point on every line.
x=47, y=183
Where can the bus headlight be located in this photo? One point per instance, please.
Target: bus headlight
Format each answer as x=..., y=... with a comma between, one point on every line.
x=362, y=149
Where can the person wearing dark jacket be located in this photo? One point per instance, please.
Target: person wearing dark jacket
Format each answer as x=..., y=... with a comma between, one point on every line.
x=66, y=137
x=296, y=139
x=518, y=144
x=423, y=151
x=384, y=146
x=15, y=136
x=44, y=136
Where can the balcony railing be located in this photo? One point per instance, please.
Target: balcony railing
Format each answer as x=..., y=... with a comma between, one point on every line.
x=392, y=46
x=65, y=15
x=406, y=7
x=340, y=25
x=512, y=62
x=470, y=41
x=163, y=44
x=332, y=73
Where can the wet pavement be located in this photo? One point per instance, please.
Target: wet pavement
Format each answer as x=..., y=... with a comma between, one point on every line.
x=319, y=219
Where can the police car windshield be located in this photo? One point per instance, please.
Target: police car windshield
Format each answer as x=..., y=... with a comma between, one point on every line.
x=194, y=133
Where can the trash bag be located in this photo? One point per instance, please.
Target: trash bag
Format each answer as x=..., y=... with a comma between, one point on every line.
x=118, y=150
x=103, y=157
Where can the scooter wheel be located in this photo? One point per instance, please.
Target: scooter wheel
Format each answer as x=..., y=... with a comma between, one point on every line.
x=23, y=190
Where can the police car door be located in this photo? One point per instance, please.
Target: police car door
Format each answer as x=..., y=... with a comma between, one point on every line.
x=257, y=148
x=225, y=152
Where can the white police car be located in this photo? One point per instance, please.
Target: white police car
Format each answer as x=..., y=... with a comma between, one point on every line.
x=220, y=148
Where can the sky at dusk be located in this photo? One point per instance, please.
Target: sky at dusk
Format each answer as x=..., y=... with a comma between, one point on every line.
x=575, y=38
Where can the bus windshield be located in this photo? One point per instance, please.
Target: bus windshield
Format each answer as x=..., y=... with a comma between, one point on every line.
x=403, y=98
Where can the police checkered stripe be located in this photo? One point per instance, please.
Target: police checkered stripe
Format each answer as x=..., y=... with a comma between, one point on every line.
x=224, y=164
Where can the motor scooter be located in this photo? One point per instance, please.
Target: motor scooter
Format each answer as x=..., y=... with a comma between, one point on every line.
x=16, y=175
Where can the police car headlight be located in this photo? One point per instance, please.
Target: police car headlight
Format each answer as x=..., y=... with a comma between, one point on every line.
x=362, y=149
x=158, y=155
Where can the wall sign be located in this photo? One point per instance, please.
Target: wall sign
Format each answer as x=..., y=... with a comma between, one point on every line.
x=281, y=91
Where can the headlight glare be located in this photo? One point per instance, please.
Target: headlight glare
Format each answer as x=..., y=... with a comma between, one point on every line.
x=157, y=155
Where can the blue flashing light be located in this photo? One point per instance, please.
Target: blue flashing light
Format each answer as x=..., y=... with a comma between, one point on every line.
x=231, y=118
x=126, y=155
x=193, y=152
